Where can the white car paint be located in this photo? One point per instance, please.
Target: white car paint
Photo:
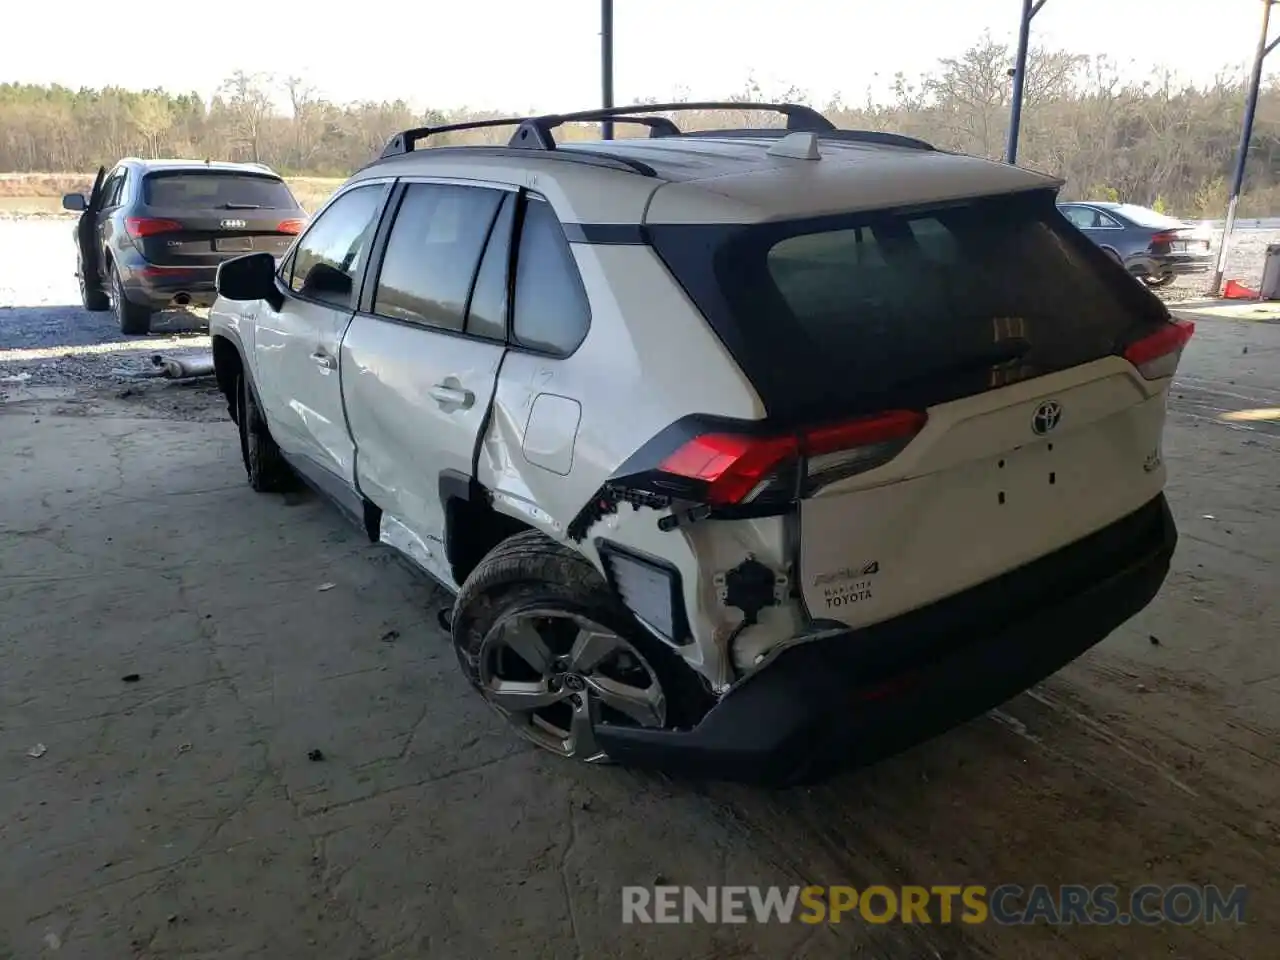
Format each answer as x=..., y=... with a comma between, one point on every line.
x=551, y=431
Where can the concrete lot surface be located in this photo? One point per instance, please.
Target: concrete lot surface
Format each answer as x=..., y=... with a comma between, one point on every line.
x=179, y=815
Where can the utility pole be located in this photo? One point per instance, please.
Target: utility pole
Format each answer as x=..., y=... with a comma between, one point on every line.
x=606, y=62
x=1019, y=74
x=1242, y=154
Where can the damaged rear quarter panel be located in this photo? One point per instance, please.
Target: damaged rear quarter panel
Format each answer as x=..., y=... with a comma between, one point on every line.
x=648, y=360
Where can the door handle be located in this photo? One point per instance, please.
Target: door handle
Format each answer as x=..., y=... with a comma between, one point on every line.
x=447, y=395
x=325, y=360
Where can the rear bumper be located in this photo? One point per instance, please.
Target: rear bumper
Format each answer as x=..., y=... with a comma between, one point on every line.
x=1185, y=265
x=159, y=287
x=853, y=698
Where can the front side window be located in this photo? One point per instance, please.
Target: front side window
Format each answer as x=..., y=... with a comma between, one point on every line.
x=332, y=253
x=551, y=311
x=433, y=253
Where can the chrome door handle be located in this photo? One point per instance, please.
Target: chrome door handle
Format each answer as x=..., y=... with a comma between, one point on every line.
x=446, y=395
x=325, y=360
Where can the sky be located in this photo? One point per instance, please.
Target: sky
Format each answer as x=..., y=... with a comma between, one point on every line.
x=543, y=55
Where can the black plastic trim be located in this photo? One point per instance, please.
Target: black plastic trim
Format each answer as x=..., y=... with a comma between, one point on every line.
x=863, y=694
x=609, y=234
x=679, y=614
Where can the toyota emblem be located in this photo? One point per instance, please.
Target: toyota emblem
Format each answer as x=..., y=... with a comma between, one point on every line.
x=1046, y=417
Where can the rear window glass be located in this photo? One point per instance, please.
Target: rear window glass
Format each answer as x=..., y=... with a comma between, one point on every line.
x=216, y=191
x=1145, y=217
x=915, y=308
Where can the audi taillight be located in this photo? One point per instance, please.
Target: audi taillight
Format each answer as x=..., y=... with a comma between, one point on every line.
x=739, y=468
x=139, y=227
x=1156, y=355
x=290, y=226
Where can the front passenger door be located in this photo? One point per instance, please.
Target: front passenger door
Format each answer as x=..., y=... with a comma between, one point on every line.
x=296, y=348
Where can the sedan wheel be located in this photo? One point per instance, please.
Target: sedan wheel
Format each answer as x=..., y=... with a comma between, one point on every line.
x=555, y=674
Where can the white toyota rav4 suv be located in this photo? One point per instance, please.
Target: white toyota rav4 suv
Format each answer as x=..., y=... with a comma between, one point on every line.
x=749, y=453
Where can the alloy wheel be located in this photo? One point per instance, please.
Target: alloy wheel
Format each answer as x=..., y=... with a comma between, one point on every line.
x=555, y=674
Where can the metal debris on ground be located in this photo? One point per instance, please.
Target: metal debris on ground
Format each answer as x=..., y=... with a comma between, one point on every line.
x=391, y=636
x=325, y=586
x=184, y=747
x=38, y=751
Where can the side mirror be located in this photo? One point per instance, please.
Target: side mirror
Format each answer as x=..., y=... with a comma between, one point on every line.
x=74, y=202
x=251, y=277
x=326, y=280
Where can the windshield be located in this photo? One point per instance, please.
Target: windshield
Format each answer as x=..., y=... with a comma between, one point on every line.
x=216, y=191
x=922, y=306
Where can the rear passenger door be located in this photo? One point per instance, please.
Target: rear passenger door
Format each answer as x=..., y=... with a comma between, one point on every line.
x=421, y=357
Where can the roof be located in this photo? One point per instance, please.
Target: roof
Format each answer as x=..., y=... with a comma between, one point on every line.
x=703, y=178
x=179, y=164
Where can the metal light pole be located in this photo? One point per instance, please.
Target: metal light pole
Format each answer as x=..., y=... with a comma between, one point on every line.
x=606, y=62
x=1242, y=155
x=1029, y=10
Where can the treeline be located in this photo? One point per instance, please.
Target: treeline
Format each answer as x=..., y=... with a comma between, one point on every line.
x=1157, y=142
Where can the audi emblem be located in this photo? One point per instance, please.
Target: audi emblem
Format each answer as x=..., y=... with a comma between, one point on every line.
x=233, y=224
x=1046, y=417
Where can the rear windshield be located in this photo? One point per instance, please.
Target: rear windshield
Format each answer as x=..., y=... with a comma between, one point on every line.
x=1145, y=217
x=833, y=314
x=216, y=191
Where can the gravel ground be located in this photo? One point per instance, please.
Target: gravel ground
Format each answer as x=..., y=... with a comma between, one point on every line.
x=53, y=349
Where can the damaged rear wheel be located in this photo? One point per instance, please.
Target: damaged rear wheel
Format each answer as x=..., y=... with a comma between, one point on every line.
x=539, y=634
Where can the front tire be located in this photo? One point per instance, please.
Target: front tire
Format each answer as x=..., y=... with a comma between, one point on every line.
x=134, y=320
x=264, y=464
x=539, y=634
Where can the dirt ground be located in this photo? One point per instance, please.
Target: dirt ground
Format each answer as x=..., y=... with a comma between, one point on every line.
x=178, y=814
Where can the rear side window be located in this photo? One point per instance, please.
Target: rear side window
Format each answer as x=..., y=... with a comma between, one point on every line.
x=551, y=312
x=836, y=313
x=487, y=315
x=331, y=254
x=216, y=191
x=433, y=253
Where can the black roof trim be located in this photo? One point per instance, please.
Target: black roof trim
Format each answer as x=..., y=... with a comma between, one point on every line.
x=597, y=158
x=847, y=136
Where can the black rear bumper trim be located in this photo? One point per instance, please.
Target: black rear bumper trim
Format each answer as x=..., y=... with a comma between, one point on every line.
x=864, y=694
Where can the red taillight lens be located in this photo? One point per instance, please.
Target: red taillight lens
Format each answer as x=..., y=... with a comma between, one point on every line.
x=139, y=227
x=1157, y=355
x=290, y=226
x=1165, y=236
x=734, y=466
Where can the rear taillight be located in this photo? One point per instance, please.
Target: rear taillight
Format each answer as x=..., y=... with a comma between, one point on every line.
x=1157, y=354
x=1165, y=236
x=290, y=226
x=139, y=227
x=738, y=468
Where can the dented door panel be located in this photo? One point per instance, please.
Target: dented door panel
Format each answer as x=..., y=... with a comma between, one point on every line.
x=415, y=402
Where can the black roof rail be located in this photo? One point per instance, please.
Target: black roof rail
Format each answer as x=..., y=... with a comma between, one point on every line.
x=536, y=132
x=596, y=158
x=849, y=136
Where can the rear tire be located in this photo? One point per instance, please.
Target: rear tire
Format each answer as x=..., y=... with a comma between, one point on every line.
x=264, y=464
x=1161, y=281
x=530, y=582
x=134, y=320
